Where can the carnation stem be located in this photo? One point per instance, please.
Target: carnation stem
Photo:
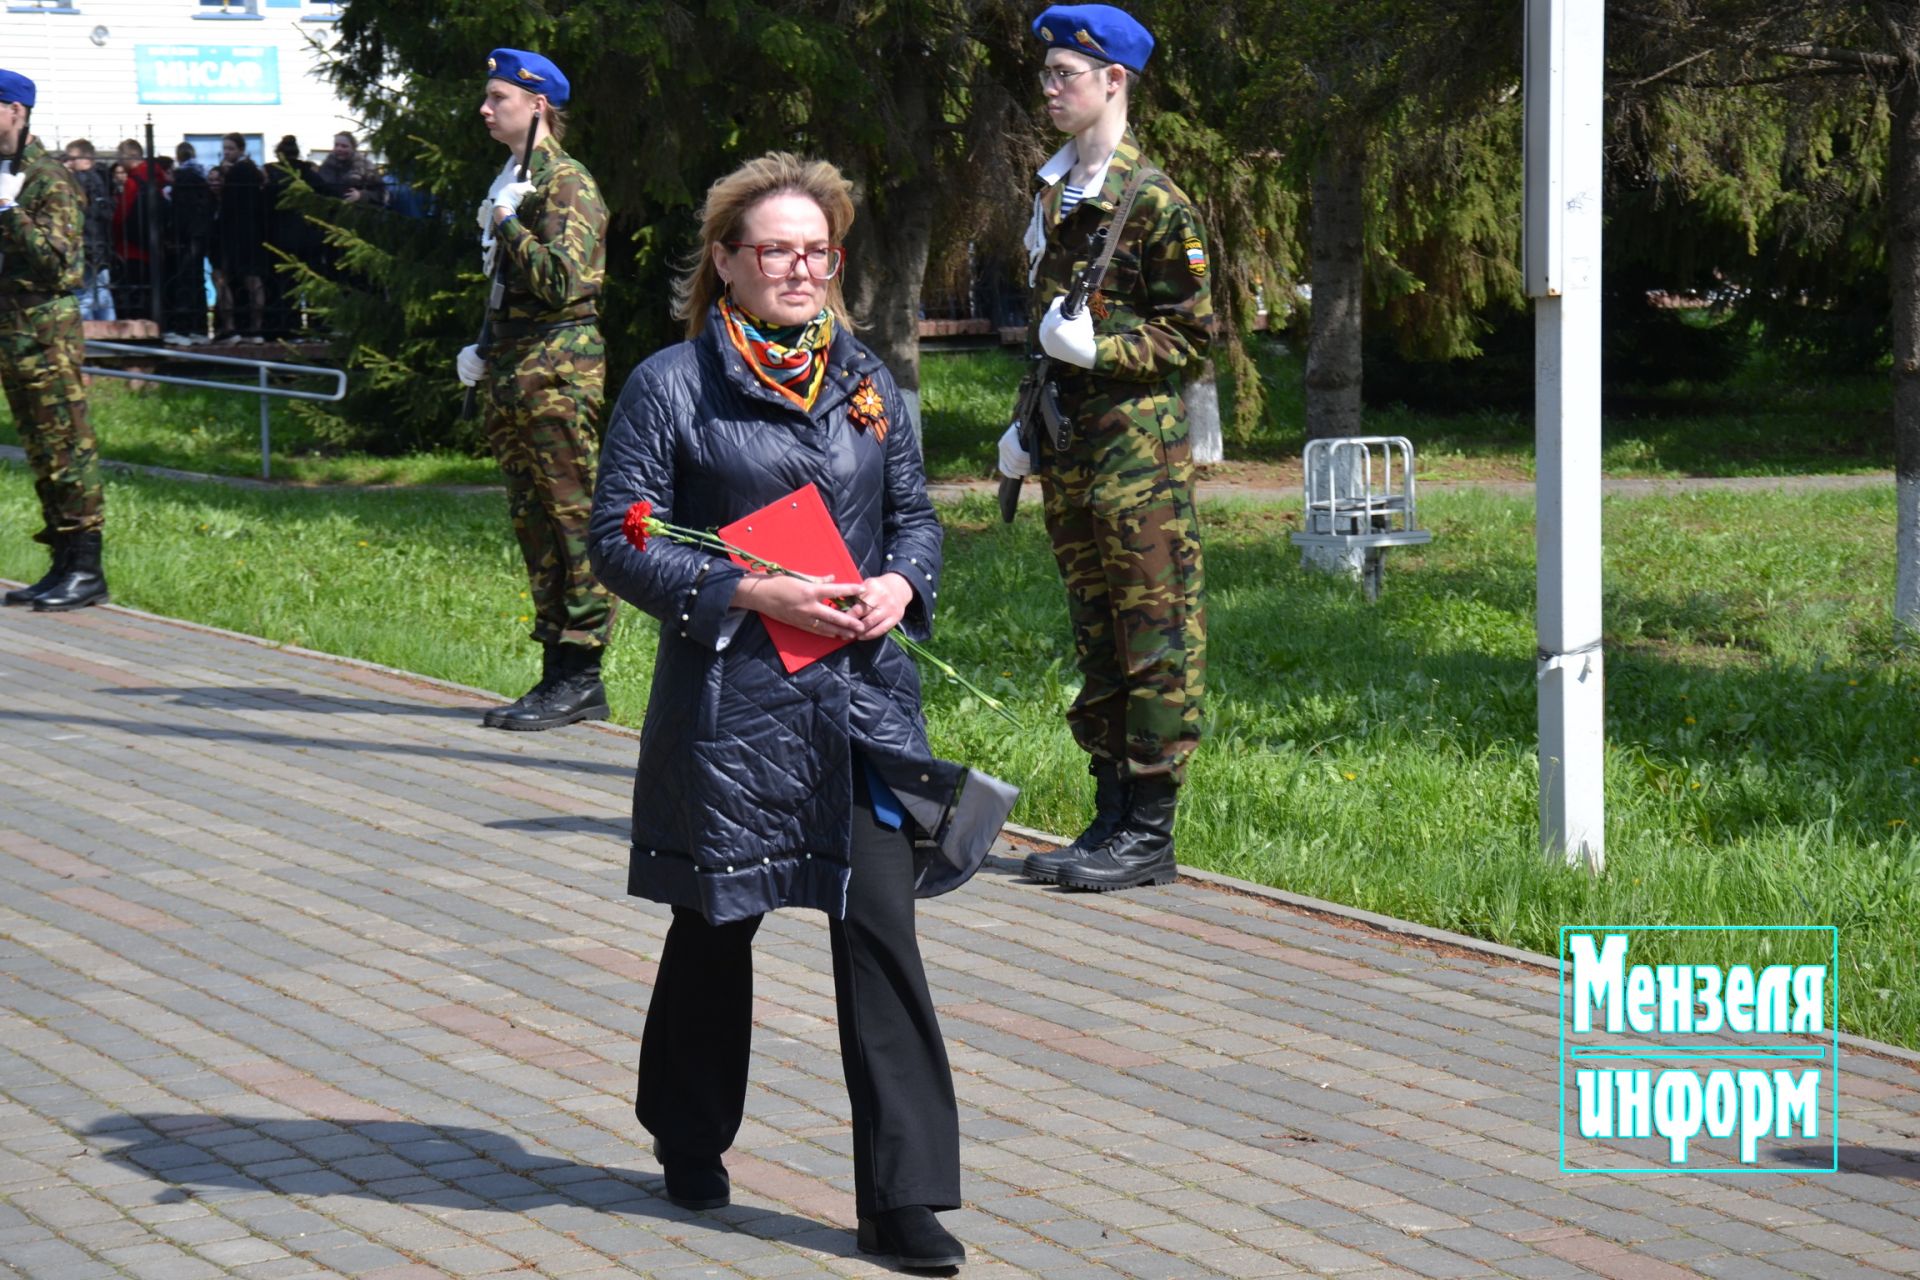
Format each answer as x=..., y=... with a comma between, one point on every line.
x=714, y=542
x=945, y=668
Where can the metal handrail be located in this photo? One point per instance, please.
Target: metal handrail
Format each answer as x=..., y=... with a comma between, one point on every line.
x=1353, y=516
x=263, y=391
x=1358, y=508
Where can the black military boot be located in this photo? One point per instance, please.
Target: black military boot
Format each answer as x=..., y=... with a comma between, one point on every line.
x=81, y=582
x=1109, y=806
x=575, y=693
x=1141, y=850
x=549, y=665
x=27, y=595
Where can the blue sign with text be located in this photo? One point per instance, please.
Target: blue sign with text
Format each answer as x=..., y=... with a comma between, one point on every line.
x=216, y=75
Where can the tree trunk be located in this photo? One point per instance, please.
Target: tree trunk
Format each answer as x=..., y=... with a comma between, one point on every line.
x=1903, y=272
x=887, y=262
x=1203, y=417
x=892, y=230
x=1338, y=233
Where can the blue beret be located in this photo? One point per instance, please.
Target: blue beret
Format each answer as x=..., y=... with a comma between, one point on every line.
x=531, y=72
x=1097, y=30
x=15, y=87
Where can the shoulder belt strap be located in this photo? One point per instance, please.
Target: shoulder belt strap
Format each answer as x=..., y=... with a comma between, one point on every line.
x=1118, y=222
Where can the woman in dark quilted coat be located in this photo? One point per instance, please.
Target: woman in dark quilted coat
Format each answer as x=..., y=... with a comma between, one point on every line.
x=758, y=788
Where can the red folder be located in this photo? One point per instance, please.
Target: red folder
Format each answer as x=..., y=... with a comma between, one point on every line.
x=796, y=533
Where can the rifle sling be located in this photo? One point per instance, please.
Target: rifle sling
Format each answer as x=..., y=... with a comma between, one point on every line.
x=1116, y=224
x=1096, y=273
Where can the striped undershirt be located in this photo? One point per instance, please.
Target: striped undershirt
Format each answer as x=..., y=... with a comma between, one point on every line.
x=1070, y=196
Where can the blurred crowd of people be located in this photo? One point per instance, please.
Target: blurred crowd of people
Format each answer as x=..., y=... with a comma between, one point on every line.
x=218, y=225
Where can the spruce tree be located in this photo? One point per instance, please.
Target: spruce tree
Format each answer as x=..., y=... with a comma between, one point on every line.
x=1798, y=122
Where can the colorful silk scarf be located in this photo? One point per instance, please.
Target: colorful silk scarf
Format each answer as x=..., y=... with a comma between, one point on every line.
x=790, y=359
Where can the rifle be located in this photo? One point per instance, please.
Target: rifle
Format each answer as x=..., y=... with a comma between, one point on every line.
x=497, y=294
x=1038, y=397
x=19, y=151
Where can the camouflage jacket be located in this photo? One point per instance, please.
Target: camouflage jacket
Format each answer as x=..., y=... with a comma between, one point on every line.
x=556, y=245
x=1153, y=313
x=44, y=237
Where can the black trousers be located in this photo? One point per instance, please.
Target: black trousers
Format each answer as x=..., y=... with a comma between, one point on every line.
x=186, y=290
x=693, y=1053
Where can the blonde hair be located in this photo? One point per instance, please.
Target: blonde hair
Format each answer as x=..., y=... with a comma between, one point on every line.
x=725, y=210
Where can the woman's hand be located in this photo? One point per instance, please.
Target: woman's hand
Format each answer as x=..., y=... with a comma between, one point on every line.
x=883, y=602
x=801, y=602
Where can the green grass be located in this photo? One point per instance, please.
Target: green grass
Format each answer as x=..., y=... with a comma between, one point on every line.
x=218, y=433
x=1770, y=419
x=1762, y=763
x=965, y=399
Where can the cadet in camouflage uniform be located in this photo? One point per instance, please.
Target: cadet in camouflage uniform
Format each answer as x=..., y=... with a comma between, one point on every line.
x=42, y=262
x=1119, y=497
x=543, y=377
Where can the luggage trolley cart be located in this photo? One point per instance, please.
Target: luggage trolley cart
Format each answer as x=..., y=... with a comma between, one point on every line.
x=1344, y=511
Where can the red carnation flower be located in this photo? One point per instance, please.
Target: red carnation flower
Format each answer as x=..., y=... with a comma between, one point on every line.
x=638, y=524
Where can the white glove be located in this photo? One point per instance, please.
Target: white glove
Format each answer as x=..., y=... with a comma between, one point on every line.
x=509, y=197
x=1070, y=341
x=471, y=365
x=1014, y=461
x=484, y=216
x=10, y=184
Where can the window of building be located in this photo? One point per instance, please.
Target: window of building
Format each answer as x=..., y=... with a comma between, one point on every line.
x=229, y=9
x=42, y=6
x=323, y=10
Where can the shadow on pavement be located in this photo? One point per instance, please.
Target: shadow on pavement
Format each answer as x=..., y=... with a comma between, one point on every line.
x=617, y=828
x=308, y=742
x=1875, y=1162
x=286, y=698
x=212, y=1157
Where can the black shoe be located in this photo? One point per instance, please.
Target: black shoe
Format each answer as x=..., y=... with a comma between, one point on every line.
x=549, y=667
x=1141, y=850
x=696, y=1184
x=574, y=694
x=81, y=582
x=912, y=1237
x=1109, y=806
x=27, y=595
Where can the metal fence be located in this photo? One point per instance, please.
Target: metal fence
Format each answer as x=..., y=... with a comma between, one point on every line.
x=263, y=369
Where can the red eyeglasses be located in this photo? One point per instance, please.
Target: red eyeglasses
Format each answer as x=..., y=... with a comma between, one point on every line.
x=777, y=260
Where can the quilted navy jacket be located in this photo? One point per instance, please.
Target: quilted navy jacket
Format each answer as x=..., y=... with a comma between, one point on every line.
x=744, y=793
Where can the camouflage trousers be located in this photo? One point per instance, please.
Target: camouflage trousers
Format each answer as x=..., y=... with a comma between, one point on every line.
x=40, y=353
x=1119, y=510
x=543, y=396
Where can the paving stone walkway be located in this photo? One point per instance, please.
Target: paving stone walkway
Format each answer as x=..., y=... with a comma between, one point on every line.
x=304, y=973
